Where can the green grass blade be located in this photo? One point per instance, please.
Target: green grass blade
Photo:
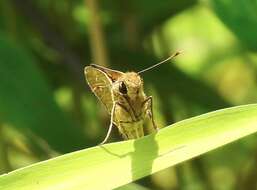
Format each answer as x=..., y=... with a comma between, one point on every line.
x=116, y=164
x=132, y=186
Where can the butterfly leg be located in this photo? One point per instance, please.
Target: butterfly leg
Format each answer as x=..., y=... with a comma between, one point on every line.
x=149, y=110
x=111, y=124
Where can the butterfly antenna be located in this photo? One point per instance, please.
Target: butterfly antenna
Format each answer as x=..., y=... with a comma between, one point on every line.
x=157, y=64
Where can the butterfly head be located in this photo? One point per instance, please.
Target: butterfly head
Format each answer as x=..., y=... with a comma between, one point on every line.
x=129, y=84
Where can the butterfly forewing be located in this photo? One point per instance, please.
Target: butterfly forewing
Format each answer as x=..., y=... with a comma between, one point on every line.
x=100, y=84
x=113, y=75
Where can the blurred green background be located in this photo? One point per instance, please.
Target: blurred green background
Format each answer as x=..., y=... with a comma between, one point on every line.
x=47, y=109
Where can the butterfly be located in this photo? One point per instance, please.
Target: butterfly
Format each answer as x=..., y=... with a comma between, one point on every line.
x=123, y=96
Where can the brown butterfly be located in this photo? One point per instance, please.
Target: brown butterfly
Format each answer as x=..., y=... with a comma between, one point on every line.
x=123, y=96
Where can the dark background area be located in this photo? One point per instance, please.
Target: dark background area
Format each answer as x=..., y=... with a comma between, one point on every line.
x=47, y=109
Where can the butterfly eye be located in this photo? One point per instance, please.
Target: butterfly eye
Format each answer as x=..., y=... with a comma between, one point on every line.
x=123, y=88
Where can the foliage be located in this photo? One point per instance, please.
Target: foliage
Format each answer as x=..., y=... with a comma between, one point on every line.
x=47, y=109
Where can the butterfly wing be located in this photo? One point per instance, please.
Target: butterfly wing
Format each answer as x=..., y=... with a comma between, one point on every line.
x=113, y=75
x=100, y=80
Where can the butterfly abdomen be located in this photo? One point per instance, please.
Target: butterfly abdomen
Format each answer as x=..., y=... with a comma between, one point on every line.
x=131, y=130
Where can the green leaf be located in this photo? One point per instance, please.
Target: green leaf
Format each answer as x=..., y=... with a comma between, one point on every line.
x=132, y=186
x=241, y=18
x=27, y=103
x=152, y=15
x=113, y=165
